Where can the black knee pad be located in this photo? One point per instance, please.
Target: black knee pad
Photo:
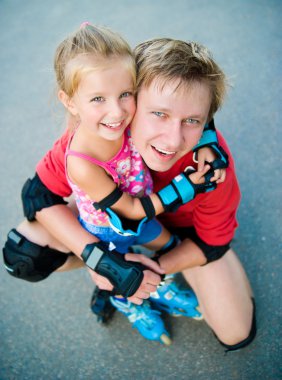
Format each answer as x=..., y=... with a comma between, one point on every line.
x=29, y=261
x=248, y=340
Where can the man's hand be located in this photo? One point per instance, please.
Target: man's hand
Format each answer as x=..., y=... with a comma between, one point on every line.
x=149, y=283
x=151, y=278
x=101, y=281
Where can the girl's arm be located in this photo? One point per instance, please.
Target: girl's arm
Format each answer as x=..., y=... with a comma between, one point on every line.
x=95, y=182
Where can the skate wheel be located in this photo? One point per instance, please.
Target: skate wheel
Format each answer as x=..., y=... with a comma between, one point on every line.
x=165, y=339
x=175, y=315
x=198, y=318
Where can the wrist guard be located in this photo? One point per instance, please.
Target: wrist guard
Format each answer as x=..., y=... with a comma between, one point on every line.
x=182, y=190
x=209, y=139
x=125, y=276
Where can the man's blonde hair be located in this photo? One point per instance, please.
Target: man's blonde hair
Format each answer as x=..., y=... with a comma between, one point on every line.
x=166, y=60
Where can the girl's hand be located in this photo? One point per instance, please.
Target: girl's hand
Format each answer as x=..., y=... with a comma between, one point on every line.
x=207, y=155
x=199, y=177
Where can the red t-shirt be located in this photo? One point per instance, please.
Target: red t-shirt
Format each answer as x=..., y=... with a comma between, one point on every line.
x=51, y=168
x=212, y=214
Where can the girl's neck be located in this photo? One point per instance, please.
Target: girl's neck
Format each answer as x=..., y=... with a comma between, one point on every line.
x=95, y=146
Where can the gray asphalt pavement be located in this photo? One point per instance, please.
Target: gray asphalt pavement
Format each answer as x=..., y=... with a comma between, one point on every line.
x=46, y=329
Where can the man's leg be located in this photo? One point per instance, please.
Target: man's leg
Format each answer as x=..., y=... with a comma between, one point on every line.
x=225, y=298
x=31, y=254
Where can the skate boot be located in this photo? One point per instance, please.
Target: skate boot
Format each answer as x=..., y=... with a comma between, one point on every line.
x=101, y=305
x=175, y=301
x=146, y=320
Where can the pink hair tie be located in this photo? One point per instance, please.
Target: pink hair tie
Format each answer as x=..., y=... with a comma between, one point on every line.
x=84, y=24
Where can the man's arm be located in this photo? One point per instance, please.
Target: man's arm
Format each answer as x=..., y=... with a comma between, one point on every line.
x=50, y=210
x=61, y=222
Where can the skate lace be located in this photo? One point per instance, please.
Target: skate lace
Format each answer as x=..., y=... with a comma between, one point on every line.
x=144, y=313
x=170, y=289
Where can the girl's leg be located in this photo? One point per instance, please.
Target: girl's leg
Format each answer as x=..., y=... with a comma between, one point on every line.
x=225, y=297
x=161, y=241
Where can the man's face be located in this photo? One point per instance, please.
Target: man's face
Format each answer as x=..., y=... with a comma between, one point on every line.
x=168, y=123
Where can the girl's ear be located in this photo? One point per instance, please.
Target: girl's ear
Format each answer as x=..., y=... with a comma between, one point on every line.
x=67, y=102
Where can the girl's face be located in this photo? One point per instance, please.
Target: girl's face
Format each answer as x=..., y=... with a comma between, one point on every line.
x=104, y=101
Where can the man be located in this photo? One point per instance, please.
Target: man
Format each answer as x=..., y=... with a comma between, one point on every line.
x=180, y=88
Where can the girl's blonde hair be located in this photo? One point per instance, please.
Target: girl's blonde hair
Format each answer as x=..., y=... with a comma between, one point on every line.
x=187, y=62
x=74, y=56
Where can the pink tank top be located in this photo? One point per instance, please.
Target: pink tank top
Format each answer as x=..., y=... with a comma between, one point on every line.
x=127, y=169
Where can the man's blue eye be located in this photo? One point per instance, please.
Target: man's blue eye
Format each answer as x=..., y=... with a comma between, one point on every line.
x=126, y=94
x=159, y=114
x=191, y=121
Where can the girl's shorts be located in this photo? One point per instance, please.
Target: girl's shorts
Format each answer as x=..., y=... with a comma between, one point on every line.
x=150, y=231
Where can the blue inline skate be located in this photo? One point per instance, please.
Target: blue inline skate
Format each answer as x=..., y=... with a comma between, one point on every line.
x=146, y=320
x=175, y=301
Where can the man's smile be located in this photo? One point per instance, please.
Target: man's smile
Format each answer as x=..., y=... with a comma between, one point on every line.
x=163, y=152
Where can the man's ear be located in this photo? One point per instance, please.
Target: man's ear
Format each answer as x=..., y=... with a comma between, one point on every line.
x=67, y=102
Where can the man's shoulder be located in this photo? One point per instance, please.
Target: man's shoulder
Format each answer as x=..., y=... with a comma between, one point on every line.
x=59, y=147
x=51, y=168
x=62, y=141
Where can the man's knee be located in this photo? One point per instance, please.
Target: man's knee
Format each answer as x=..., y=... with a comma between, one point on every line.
x=243, y=337
x=29, y=261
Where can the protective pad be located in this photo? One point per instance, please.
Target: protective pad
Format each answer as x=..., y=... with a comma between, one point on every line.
x=36, y=196
x=124, y=226
x=121, y=225
x=182, y=190
x=222, y=160
x=209, y=139
x=29, y=261
x=125, y=276
x=109, y=200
